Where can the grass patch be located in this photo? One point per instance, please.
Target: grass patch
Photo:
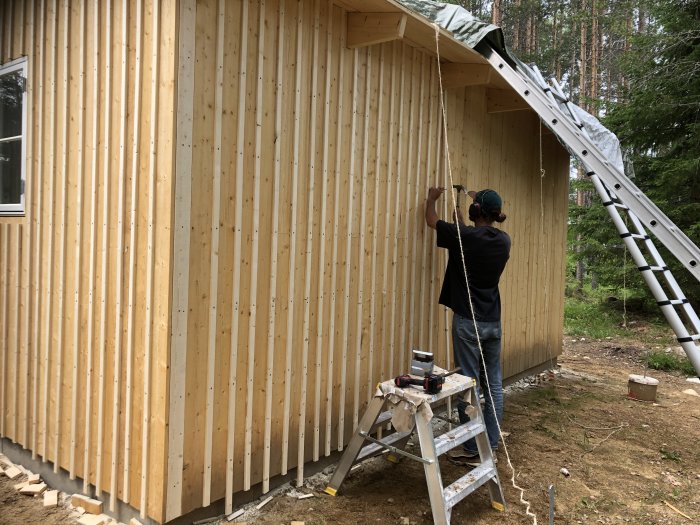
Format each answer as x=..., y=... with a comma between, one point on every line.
x=669, y=454
x=668, y=362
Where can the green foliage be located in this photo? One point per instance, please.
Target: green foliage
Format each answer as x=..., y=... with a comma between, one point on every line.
x=588, y=317
x=669, y=454
x=668, y=362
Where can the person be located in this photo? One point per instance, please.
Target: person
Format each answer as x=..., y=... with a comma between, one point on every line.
x=486, y=251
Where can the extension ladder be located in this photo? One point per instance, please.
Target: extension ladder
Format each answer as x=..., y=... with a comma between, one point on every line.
x=621, y=198
x=413, y=405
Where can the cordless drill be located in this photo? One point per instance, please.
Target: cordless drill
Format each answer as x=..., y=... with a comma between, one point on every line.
x=431, y=383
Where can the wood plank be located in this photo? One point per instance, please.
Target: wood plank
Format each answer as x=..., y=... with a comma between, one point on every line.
x=272, y=307
x=94, y=174
x=37, y=200
x=181, y=256
x=214, y=254
x=292, y=240
x=366, y=29
x=236, y=294
x=105, y=267
x=77, y=245
x=502, y=100
x=455, y=76
x=133, y=249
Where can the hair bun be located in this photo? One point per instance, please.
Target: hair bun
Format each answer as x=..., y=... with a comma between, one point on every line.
x=501, y=217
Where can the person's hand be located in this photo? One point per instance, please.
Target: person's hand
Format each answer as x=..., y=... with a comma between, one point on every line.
x=434, y=193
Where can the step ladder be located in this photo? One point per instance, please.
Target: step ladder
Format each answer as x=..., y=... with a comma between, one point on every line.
x=414, y=407
x=622, y=198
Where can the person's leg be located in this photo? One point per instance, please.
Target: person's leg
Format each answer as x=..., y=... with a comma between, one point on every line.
x=490, y=335
x=466, y=355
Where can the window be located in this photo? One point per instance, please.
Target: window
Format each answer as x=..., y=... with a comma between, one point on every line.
x=13, y=124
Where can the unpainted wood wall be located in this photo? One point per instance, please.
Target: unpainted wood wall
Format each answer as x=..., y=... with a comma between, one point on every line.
x=303, y=272
x=85, y=274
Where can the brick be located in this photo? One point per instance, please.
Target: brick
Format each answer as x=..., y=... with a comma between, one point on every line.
x=93, y=506
x=20, y=486
x=134, y=521
x=34, y=490
x=51, y=498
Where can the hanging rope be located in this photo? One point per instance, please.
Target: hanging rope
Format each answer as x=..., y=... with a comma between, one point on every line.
x=523, y=501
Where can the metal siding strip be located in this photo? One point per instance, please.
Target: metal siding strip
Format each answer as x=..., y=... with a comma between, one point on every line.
x=334, y=254
x=102, y=341
x=120, y=264
x=292, y=244
x=348, y=250
x=254, y=253
x=214, y=255
x=322, y=255
x=150, y=266
x=308, y=249
x=93, y=245
x=279, y=88
x=36, y=218
x=235, y=295
x=181, y=251
x=77, y=247
x=133, y=220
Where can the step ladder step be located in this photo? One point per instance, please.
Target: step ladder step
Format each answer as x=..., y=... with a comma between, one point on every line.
x=458, y=436
x=374, y=449
x=383, y=418
x=468, y=483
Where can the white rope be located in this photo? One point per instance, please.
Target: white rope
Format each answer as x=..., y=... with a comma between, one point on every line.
x=523, y=501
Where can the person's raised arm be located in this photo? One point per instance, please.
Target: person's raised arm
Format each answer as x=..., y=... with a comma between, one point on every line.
x=431, y=216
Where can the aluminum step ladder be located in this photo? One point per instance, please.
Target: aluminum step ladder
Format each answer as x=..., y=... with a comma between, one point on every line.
x=622, y=198
x=415, y=406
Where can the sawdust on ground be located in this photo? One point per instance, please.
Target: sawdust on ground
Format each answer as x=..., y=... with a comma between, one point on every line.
x=627, y=461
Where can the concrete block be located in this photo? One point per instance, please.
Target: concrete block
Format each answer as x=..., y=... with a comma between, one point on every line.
x=51, y=498
x=33, y=478
x=134, y=521
x=93, y=506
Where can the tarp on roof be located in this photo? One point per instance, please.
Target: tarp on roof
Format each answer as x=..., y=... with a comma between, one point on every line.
x=476, y=34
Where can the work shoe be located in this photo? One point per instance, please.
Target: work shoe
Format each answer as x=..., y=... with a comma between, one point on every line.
x=459, y=456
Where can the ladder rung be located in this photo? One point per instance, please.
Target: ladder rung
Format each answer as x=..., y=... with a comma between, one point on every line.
x=690, y=338
x=375, y=448
x=653, y=268
x=383, y=418
x=457, y=436
x=468, y=483
x=673, y=302
x=638, y=236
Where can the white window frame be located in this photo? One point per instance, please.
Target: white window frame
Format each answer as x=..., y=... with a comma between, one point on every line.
x=19, y=64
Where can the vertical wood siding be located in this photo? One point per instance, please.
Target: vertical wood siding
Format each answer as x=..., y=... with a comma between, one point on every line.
x=304, y=272
x=86, y=272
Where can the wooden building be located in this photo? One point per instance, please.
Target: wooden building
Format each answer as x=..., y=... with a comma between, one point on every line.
x=220, y=247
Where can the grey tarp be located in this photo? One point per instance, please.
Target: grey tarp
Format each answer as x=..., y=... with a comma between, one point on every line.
x=476, y=34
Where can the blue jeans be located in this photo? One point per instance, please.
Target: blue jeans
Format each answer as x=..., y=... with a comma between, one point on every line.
x=468, y=358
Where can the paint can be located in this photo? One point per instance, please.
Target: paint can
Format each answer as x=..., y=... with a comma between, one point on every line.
x=642, y=388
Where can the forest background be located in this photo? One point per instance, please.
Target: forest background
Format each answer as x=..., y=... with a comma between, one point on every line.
x=634, y=64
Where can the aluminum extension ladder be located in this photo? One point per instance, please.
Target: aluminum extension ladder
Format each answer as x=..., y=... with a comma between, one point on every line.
x=442, y=499
x=621, y=198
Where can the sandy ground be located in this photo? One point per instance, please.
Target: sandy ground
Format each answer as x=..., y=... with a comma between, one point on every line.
x=627, y=461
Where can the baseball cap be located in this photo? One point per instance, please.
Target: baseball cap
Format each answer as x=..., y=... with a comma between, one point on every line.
x=489, y=200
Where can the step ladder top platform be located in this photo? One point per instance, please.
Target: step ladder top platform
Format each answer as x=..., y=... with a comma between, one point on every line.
x=454, y=384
